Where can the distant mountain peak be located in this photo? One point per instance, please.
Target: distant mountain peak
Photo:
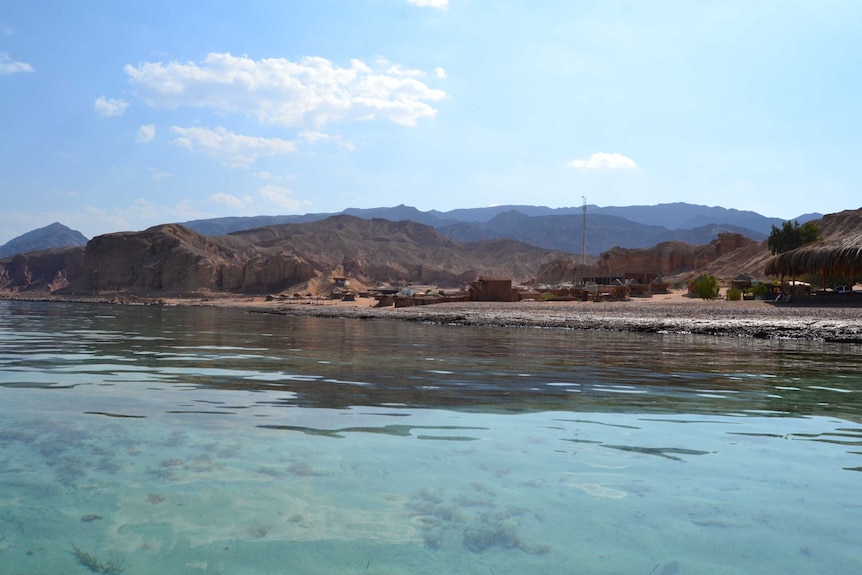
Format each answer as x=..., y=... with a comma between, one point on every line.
x=52, y=236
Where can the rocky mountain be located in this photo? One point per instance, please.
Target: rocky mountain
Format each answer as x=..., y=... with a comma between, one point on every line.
x=46, y=270
x=170, y=258
x=173, y=259
x=565, y=232
x=227, y=225
x=402, y=251
x=554, y=228
x=53, y=236
x=683, y=216
x=724, y=257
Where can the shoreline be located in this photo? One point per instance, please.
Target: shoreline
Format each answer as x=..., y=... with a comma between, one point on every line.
x=759, y=320
x=662, y=313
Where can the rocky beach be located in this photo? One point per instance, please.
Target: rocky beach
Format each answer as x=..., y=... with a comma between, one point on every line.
x=673, y=313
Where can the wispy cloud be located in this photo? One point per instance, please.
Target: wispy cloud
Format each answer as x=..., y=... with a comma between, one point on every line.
x=228, y=200
x=279, y=91
x=10, y=66
x=440, y=4
x=160, y=175
x=138, y=215
x=146, y=133
x=267, y=199
x=439, y=72
x=279, y=197
x=110, y=106
x=233, y=150
x=604, y=161
x=313, y=137
x=264, y=175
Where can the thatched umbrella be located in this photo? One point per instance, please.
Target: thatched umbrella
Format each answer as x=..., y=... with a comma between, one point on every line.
x=842, y=257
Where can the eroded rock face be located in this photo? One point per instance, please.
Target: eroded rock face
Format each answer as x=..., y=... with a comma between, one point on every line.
x=173, y=259
x=176, y=259
x=49, y=270
x=671, y=258
x=162, y=257
x=267, y=274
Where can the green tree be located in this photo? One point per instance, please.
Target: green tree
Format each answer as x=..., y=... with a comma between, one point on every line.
x=734, y=294
x=790, y=236
x=705, y=287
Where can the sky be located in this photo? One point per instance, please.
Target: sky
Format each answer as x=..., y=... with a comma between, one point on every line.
x=117, y=116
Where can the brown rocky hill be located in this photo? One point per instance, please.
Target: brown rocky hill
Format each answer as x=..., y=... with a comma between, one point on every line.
x=173, y=259
x=835, y=226
x=726, y=257
x=752, y=259
x=670, y=258
x=47, y=270
x=667, y=259
x=383, y=251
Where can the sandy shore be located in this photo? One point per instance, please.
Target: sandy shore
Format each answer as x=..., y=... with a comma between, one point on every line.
x=667, y=313
x=673, y=313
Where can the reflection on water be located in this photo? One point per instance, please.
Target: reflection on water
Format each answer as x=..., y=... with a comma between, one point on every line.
x=194, y=440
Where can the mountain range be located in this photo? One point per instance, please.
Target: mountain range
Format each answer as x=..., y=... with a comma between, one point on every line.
x=173, y=259
x=551, y=228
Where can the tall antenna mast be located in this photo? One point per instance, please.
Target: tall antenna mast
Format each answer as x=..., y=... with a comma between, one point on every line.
x=584, y=239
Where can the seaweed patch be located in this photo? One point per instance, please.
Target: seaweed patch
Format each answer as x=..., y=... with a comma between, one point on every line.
x=112, y=567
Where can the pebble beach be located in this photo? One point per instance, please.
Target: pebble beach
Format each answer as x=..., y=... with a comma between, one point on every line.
x=672, y=313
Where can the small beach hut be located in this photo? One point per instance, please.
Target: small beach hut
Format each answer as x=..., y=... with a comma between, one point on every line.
x=838, y=257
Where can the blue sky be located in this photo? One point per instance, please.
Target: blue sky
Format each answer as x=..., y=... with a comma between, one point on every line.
x=122, y=115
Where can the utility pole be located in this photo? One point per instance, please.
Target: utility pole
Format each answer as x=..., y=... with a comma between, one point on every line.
x=584, y=239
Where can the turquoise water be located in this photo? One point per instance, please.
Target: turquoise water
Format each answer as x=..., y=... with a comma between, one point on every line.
x=200, y=440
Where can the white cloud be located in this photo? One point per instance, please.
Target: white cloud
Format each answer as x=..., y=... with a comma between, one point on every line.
x=278, y=91
x=110, y=107
x=159, y=175
x=227, y=200
x=441, y=4
x=233, y=150
x=604, y=161
x=279, y=197
x=264, y=175
x=146, y=133
x=439, y=72
x=10, y=66
x=313, y=137
x=267, y=199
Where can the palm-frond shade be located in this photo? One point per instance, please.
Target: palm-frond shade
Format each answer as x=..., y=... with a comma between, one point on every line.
x=837, y=257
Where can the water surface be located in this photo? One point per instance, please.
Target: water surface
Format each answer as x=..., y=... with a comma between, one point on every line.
x=204, y=440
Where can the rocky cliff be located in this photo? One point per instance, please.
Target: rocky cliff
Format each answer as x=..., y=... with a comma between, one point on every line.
x=666, y=259
x=170, y=259
x=173, y=259
x=48, y=270
x=670, y=258
x=176, y=259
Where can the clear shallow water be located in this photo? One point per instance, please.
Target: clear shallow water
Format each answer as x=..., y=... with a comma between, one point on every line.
x=193, y=440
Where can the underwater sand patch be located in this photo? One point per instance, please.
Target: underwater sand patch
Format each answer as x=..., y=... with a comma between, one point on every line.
x=604, y=466
x=599, y=490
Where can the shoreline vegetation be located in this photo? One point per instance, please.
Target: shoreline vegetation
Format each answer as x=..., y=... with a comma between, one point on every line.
x=664, y=313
